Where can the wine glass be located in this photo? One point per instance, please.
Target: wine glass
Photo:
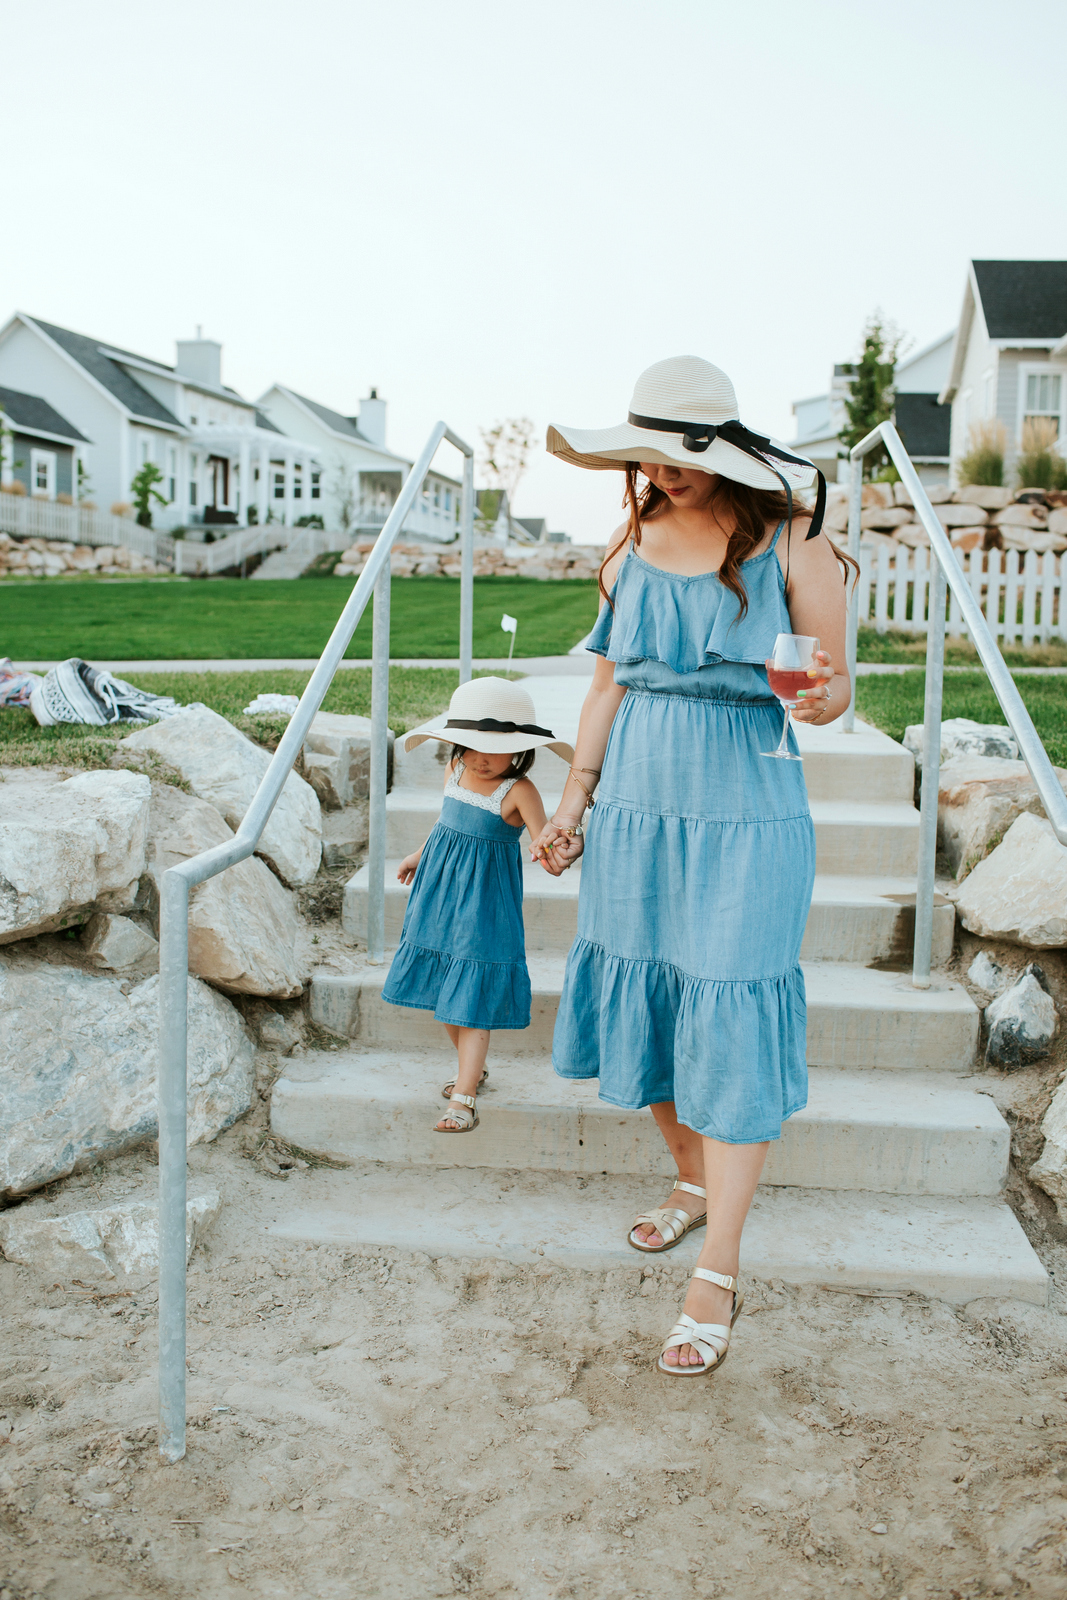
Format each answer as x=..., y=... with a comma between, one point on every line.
x=787, y=673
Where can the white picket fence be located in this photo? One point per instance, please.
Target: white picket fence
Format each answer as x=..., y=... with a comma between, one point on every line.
x=27, y=518
x=228, y=551
x=1020, y=594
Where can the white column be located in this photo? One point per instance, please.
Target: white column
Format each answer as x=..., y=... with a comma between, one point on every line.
x=246, y=480
x=263, y=499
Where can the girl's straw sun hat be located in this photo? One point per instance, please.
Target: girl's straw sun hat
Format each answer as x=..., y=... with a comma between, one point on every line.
x=494, y=716
x=684, y=414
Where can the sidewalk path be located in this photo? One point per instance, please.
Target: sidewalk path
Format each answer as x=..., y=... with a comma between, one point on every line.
x=533, y=666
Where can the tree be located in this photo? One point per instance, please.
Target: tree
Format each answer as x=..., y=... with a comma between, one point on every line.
x=506, y=451
x=871, y=392
x=85, y=484
x=344, y=487
x=144, y=492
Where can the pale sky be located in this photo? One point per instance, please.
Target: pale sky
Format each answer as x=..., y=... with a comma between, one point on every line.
x=489, y=209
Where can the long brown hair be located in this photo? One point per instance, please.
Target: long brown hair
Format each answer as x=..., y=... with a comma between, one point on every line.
x=751, y=511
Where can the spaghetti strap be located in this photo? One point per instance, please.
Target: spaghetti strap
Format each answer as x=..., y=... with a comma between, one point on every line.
x=777, y=535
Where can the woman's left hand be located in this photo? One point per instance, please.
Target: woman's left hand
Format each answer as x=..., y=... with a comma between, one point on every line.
x=814, y=702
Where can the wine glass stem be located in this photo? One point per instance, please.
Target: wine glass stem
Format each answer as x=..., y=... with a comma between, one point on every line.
x=785, y=732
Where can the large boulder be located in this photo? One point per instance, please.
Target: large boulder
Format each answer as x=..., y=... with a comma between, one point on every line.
x=979, y=798
x=965, y=516
x=984, y=495
x=1021, y=516
x=222, y=766
x=883, y=519
x=114, y=1239
x=66, y=848
x=1021, y=1022
x=1019, y=892
x=337, y=758
x=961, y=737
x=78, y=1062
x=243, y=926
x=1049, y=1171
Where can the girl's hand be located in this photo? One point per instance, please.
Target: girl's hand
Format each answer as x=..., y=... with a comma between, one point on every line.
x=407, y=867
x=814, y=703
x=555, y=848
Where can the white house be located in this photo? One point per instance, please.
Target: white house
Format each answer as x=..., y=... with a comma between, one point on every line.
x=922, y=423
x=361, y=476
x=39, y=449
x=221, y=460
x=1009, y=356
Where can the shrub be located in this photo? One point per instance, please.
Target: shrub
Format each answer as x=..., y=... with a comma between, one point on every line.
x=984, y=462
x=14, y=487
x=121, y=508
x=1040, y=465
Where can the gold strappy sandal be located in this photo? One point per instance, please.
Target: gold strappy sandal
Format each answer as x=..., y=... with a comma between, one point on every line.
x=711, y=1340
x=461, y=1110
x=672, y=1223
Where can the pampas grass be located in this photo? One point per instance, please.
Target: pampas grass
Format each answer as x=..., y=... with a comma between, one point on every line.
x=983, y=464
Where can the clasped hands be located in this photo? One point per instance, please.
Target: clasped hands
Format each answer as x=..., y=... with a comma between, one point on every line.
x=555, y=848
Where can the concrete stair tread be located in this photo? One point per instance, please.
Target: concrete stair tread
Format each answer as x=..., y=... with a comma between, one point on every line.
x=951, y=1249
x=879, y=1130
x=837, y=984
x=866, y=813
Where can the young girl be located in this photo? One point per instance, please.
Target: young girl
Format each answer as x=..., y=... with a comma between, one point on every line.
x=462, y=952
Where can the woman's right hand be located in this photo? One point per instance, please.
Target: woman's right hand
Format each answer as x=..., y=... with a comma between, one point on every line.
x=555, y=848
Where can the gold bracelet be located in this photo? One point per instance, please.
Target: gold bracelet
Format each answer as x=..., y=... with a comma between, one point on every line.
x=583, y=788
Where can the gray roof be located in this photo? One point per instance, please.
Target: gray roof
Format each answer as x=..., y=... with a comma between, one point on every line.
x=923, y=425
x=30, y=414
x=332, y=419
x=1023, y=299
x=263, y=421
x=536, y=527
x=88, y=353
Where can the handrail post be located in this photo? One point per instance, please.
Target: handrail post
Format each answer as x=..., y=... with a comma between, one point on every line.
x=379, y=761
x=931, y=771
x=172, y=1094
x=466, y=580
x=852, y=618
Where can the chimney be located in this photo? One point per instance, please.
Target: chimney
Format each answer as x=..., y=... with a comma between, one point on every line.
x=200, y=360
x=371, y=419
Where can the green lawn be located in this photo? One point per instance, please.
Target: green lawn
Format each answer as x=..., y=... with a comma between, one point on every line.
x=909, y=649
x=415, y=693
x=892, y=700
x=225, y=619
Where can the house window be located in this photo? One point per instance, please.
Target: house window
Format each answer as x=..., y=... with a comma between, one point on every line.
x=1043, y=396
x=298, y=484
x=172, y=469
x=43, y=473
x=316, y=486
x=437, y=494
x=448, y=499
x=194, y=472
x=279, y=486
x=144, y=451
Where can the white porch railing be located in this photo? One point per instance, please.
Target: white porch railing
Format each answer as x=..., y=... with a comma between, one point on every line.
x=1020, y=593
x=198, y=560
x=26, y=518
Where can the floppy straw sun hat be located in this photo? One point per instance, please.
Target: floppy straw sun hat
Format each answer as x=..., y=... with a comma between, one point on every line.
x=684, y=414
x=494, y=716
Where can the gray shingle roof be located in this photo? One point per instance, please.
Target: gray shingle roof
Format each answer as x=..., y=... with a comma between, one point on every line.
x=30, y=412
x=88, y=354
x=1023, y=299
x=923, y=425
x=263, y=421
x=333, y=419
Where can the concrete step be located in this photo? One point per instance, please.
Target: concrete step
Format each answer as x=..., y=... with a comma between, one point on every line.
x=949, y=1249
x=851, y=919
x=895, y=1132
x=854, y=766
x=851, y=836
x=857, y=1017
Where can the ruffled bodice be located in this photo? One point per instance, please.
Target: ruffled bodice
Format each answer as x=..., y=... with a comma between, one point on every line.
x=690, y=623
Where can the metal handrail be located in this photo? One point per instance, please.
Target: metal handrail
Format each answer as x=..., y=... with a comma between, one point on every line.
x=178, y=880
x=945, y=569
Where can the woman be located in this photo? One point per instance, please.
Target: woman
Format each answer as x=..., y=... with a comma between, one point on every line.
x=683, y=990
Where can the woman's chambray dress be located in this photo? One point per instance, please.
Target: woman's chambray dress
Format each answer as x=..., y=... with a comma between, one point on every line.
x=684, y=983
x=462, y=952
